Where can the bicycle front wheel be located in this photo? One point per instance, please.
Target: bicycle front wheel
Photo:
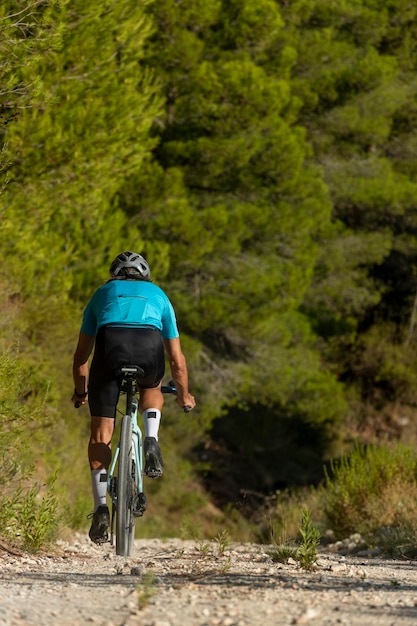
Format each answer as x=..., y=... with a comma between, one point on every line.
x=125, y=521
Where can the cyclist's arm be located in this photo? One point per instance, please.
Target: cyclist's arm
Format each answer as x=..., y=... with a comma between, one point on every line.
x=179, y=372
x=80, y=366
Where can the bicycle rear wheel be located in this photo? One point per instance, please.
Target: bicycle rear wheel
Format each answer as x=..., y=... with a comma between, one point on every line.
x=125, y=521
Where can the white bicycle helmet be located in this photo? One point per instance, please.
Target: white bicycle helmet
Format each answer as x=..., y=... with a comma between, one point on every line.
x=130, y=264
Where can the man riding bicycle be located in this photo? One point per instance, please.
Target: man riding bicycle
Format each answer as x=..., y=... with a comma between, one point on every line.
x=128, y=321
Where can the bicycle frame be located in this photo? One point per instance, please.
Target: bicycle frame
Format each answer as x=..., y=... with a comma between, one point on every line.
x=125, y=486
x=132, y=411
x=125, y=489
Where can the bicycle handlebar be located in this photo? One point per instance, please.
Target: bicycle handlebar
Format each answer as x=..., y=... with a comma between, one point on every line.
x=170, y=388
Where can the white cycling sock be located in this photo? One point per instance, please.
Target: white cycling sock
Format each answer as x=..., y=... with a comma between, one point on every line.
x=99, y=485
x=151, y=421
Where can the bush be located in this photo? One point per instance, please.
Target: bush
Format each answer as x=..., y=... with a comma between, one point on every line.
x=373, y=487
x=38, y=518
x=26, y=517
x=306, y=551
x=278, y=521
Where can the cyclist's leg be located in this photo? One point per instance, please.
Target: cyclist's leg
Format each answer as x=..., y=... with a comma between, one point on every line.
x=102, y=397
x=151, y=401
x=102, y=400
x=99, y=456
x=150, y=405
x=99, y=446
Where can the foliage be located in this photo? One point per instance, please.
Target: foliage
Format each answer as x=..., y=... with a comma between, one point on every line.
x=310, y=539
x=283, y=552
x=396, y=542
x=21, y=414
x=63, y=162
x=26, y=517
x=222, y=540
x=146, y=589
x=232, y=187
x=374, y=486
x=305, y=552
x=357, y=86
x=277, y=521
x=38, y=520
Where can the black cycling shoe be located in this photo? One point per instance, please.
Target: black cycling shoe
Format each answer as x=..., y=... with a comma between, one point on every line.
x=101, y=521
x=154, y=465
x=139, y=504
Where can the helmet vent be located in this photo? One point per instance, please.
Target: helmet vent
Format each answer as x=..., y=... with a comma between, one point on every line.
x=130, y=263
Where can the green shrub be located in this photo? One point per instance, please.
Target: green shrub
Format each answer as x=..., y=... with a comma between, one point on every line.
x=38, y=518
x=306, y=550
x=278, y=522
x=373, y=487
x=26, y=517
x=310, y=539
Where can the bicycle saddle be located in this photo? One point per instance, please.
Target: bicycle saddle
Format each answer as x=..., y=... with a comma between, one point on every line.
x=135, y=370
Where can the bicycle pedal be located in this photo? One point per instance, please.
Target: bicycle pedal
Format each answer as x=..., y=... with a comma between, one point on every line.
x=139, y=505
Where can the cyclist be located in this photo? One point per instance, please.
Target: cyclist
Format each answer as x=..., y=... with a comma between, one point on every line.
x=128, y=321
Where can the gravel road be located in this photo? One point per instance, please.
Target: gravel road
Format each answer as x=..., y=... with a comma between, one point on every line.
x=188, y=583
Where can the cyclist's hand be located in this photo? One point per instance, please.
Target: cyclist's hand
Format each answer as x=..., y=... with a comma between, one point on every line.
x=187, y=402
x=78, y=400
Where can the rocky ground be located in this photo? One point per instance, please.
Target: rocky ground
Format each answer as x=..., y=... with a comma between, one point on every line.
x=188, y=583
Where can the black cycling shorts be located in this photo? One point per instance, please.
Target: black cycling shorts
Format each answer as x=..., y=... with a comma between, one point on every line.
x=117, y=346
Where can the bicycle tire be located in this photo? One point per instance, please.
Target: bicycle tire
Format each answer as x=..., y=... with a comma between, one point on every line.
x=125, y=521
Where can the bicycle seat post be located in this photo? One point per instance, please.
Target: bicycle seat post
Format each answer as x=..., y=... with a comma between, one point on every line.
x=129, y=374
x=131, y=394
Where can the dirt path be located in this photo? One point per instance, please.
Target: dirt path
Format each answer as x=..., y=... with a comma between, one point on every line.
x=177, y=583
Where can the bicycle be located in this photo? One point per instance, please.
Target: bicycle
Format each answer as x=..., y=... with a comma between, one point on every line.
x=125, y=485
